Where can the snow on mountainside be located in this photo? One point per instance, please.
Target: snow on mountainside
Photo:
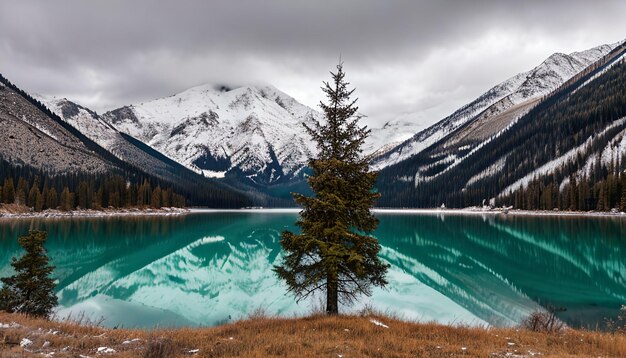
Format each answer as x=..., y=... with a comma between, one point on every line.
x=575, y=131
x=83, y=119
x=256, y=130
x=93, y=126
x=514, y=97
x=30, y=137
x=391, y=134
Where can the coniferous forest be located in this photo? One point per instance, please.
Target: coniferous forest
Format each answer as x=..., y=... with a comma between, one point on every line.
x=123, y=185
x=39, y=191
x=586, y=119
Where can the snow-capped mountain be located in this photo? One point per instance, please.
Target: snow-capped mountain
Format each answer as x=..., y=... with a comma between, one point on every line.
x=255, y=130
x=388, y=136
x=42, y=138
x=498, y=107
x=556, y=127
x=108, y=137
x=83, y=119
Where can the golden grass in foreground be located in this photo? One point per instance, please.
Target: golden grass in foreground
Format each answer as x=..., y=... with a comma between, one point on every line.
x=315, y=336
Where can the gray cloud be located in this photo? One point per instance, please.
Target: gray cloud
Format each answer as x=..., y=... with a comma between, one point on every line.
x=418, y=60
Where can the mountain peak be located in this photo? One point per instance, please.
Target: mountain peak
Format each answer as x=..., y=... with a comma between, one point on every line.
x=211, y=129
x=504, y=102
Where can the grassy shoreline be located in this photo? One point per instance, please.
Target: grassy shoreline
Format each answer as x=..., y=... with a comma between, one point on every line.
x=314, y=336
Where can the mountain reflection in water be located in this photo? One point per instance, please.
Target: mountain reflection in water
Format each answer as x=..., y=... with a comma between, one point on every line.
x=209, y=268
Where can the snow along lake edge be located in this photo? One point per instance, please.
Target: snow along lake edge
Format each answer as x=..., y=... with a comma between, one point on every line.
x=431, y=211
x=137, y=212
x=90, y=213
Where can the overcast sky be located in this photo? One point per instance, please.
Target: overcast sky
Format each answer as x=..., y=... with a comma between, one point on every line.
x=417, y=60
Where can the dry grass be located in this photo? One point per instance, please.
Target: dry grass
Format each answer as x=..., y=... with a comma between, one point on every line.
x=315, y=336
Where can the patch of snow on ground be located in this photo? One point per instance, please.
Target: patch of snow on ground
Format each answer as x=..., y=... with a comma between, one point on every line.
x=9, y=325
x=25, y=342
x=105, y=350
x=378, y=323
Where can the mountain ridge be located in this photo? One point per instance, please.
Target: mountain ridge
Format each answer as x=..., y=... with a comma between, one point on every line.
x=514, y=91
x=584, y=108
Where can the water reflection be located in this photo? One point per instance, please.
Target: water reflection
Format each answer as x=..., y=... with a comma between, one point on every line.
x=205, y=269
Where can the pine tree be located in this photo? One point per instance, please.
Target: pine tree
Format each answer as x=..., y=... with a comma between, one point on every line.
x=83, y=195
x=144, y=194
x=33, y=194
x=573, y=193
x=31, y=289
x=334, y=253
x=52, y=199
x=44, y=195
x=155, y=202
x=98, y=200
x=8, y=191
x=67, y=200
x=623, y=199
x=602, y=200
x=39, y=200
x=21, y=192
x=167, y=194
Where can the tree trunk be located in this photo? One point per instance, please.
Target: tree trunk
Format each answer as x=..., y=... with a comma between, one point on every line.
x=332, y=295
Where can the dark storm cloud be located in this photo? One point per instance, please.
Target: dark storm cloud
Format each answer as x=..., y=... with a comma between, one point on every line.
x=418, y=59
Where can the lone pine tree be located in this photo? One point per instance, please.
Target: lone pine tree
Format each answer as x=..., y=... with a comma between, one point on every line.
x=334, y=252
x=31, y=289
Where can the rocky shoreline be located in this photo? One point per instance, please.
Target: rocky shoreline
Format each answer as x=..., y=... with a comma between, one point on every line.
x=89, y=213
x=501, y=211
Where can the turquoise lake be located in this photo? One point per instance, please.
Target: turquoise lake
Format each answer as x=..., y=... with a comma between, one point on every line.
x=208, y=268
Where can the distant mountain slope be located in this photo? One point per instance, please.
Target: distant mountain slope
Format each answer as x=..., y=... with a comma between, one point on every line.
x=252, y=131
x=574, y=133
x=388, y=136
x=36, y=138
x=30, y=137
x=119, y=144
x=497, y=108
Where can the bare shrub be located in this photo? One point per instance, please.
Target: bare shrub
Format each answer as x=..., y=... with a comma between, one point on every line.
x=318, y=306
x=259, y=313
x=81, y=319
x=159, y=348
x=368, y=310
x=617, y=325
x=543, y=321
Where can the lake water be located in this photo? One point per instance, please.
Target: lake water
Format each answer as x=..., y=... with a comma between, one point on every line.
x=212, y=267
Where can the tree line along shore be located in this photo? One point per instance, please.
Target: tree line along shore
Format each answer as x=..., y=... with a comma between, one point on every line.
x=112, y=191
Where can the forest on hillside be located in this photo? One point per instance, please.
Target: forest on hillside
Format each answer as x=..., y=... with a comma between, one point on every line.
x=39, y=191
x=578, y=115
x=181, y=185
